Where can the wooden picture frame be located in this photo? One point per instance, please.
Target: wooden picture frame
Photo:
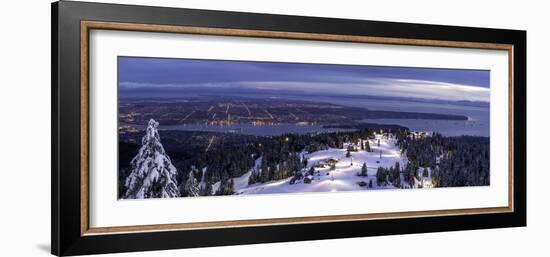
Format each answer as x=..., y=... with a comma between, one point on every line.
x=71, y=25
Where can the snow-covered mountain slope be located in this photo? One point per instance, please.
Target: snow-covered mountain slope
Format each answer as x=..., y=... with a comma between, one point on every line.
x=343, y=178
x=152, y=174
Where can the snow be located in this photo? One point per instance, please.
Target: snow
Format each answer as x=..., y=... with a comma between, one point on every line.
x=202, y=183
x=242, y=181
x=191, y=187
x=153, y=174
x=216, y=186
x=343, y=178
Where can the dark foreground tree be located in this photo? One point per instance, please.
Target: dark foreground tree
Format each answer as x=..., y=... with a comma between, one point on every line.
x=364, y=171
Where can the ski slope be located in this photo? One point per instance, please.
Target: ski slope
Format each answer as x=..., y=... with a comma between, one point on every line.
x=343, y=178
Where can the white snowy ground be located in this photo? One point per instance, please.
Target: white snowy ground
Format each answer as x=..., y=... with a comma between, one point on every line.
x=344, y=178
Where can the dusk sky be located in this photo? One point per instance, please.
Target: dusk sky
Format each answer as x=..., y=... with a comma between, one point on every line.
x=268, y=77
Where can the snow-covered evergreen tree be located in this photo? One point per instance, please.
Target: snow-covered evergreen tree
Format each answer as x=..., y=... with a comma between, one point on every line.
x=152, y=174
x=191, y=186
x=206, y=189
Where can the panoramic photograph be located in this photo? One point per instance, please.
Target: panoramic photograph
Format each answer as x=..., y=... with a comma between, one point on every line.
x=196, y=127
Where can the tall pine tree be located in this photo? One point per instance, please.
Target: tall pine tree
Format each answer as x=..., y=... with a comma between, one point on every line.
x=152, y=174
x=191, y=186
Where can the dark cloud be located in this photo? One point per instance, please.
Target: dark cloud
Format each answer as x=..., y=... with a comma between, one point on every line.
x=134, y=72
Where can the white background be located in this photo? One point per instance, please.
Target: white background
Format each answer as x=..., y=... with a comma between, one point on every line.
x=106, y=211
x=25, y=135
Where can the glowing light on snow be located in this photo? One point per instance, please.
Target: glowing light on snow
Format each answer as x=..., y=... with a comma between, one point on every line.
x=344, y=177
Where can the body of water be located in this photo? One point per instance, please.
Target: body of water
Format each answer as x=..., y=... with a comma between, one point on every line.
x=444, y=127
x=478, y=122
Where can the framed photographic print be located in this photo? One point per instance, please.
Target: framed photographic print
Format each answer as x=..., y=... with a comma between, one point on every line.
x=178, y=128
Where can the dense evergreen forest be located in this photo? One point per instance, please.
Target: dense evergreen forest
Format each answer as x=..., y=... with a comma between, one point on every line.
x=453, y=161
x=235, y=155
x=209, y=157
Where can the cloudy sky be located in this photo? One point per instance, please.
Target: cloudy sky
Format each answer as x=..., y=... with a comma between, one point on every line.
x=267, y=77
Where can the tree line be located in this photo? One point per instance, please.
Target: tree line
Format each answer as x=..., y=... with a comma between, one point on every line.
x=231, y=157
x=453, y=161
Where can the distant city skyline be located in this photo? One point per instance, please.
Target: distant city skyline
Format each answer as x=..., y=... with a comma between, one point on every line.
x=158, y=74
